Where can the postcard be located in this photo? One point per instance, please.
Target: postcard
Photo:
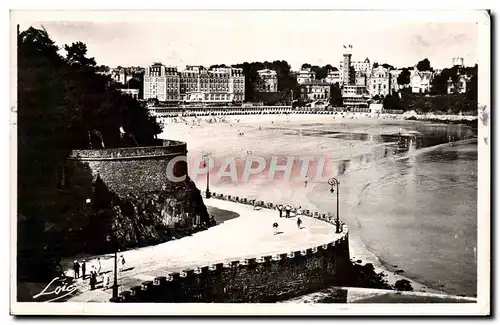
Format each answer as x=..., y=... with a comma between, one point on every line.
x=250, y=162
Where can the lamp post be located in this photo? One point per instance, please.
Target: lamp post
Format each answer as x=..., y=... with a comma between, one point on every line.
x=110, y=240
x=334, y=182
x=206, y=163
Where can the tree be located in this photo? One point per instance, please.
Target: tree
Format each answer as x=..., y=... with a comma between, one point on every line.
x=61, y=100
x=75, y=56
x=305, y=66
x=404, y=77
x=392, y=102
x=424, y=65
x=472, y=88
x=217, y=66
x=336, y=95
x=388, y=66
x=375, y=65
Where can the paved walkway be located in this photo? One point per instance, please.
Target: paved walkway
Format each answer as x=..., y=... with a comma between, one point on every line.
x=250, y=235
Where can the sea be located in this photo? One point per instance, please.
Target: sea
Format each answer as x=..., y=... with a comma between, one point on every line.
x=414, y=202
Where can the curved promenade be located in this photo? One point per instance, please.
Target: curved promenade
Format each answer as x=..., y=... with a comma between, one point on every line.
x=240, y=260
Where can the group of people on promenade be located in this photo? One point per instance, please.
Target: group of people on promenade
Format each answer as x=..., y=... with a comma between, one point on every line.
x=96, y=270
x=287, y=209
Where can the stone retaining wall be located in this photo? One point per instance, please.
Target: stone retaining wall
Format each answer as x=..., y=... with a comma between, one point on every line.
x=134, y=169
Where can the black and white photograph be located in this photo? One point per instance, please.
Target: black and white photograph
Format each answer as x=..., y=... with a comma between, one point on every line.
x=250, y=162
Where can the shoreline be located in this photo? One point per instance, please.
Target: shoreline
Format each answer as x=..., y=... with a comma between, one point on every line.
x=257, y=111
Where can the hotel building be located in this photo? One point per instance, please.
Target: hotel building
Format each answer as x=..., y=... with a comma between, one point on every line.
x=194, y=84
x=161, y=82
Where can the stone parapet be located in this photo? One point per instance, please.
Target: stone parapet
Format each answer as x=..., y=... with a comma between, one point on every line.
x=257, y=279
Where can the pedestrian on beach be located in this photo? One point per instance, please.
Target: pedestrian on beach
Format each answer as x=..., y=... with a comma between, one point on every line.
x=93, y=280
x=84, y=267
x=287, y=209
x=105, y=281
x=122, y=263
x=99, y=267
x=76, y=268
x=275, y=228
x=299, y=223
x=305, y=182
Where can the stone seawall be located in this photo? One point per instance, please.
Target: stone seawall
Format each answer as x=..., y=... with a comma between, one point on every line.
x=133, y=170
x=257, y=279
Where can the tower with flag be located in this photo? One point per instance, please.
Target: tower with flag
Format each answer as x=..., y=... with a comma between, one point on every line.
x=347, y=77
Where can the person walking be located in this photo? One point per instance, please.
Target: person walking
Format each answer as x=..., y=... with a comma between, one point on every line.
x=99, y=266
x=93, y=280
x=275, y=228
x=121, y=262
x=287, y=209
x=105, y=281
x=76, y=268
x=299, y=222
x=84, y=267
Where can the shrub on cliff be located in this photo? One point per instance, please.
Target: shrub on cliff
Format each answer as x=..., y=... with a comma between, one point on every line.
x=403, y=285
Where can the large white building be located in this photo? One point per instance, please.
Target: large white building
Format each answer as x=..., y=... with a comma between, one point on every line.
x=194, y=84
x=379, y=82
x=161, y=82
x=219, y=85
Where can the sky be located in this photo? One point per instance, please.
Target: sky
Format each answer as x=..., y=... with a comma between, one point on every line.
x=179, y=38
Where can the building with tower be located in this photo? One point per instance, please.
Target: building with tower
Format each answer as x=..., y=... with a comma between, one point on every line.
x=347, y=72
x=354, y=95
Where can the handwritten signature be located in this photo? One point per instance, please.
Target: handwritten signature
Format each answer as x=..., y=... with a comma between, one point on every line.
x=60, y=291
